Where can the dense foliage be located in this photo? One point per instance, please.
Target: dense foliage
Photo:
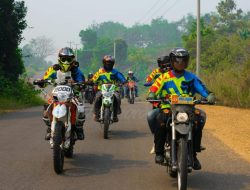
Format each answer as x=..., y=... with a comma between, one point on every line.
x=13, y=91
x=225, y=48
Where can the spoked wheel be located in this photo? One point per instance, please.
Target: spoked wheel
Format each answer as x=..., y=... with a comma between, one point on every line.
x=58, y=153
x=182, y=158
x=106, y=122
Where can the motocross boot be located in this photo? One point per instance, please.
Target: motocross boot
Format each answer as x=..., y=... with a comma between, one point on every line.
x=97, y=116
x=159, y=158
x=48, y=134
x=197, y=164
x=80, y=133
x=115, y=117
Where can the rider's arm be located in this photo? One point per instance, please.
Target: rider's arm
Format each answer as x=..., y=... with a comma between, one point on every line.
x=200, y=87
x=78, y=75
x=50, y=73
x=158, y=84
x=151, y=76
x=96, y=76
x=120, y=77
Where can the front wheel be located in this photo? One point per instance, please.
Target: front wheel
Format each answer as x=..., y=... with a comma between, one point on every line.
x=106, y=122
x=58, y=153
x=182, y=158
x=132, y=96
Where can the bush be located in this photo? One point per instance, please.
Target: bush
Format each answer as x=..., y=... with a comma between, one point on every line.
x=18, y=95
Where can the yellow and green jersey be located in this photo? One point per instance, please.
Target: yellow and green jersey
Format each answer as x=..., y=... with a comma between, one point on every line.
x=102, y=76
x=187, y=84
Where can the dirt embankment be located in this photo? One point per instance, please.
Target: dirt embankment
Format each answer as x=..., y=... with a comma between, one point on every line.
x=231, y=126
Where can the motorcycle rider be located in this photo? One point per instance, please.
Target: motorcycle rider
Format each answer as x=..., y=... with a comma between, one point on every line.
x=131, y=77
x=66, y=62
x=163, y=67
x=107, y=74
x=178, y=82
x=90, y=76
x=90, y=82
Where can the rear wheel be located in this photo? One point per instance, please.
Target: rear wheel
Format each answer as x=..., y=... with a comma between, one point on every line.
x=106, y=122
x=58, y=153
x=182, y=164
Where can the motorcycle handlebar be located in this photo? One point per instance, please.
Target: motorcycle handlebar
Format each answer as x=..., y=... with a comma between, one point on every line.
x=203, y=102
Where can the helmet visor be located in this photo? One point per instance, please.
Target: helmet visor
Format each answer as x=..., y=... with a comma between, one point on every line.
x=66, y=59
x=181, y=60
x=180, y=63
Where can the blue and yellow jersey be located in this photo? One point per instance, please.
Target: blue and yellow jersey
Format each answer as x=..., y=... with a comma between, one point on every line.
x=76, y=73
x=103, y=76
x=154, y=75
x=186, y=85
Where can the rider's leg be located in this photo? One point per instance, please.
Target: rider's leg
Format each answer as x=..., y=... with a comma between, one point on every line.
x=160, y=134
x=46, y=120
x=200, y=123
x=117, y=106
x=152, y=120
x=136, y=91
x=97, y=105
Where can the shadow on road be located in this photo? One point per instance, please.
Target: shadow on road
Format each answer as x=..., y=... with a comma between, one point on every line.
x=92, y=164
x=218, y=181
x=125, y=134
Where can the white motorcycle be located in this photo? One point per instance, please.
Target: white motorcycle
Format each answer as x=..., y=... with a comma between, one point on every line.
x=64, y=107
x=107, y=108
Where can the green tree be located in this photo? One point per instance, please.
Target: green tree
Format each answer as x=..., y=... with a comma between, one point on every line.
x=229, y=15
x=12, y=23
x=121, y=51
x=88, y=38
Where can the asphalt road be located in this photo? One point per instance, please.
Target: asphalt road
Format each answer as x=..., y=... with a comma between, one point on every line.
x=121, y=163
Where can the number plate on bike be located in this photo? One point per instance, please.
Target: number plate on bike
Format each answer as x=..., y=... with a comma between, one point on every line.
x=182, y=100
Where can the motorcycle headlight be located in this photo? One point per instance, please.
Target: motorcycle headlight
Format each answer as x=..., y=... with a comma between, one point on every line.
x=182, y=117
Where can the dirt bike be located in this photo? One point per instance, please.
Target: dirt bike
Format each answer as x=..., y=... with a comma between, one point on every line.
x=107, y=108
x=180, y=136
x=89, y=94
x=64, y=110
x=131, y=92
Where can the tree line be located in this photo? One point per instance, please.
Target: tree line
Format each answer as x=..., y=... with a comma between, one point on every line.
x=225, y=47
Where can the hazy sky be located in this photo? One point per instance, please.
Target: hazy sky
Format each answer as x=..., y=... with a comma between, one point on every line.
x=62, y=20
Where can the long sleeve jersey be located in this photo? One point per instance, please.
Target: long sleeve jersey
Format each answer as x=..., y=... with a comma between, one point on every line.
x=76, y=73
x=186, y=85
x=154, y=75
x=103, y=76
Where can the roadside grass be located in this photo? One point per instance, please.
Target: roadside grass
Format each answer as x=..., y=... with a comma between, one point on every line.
x=18, y=95
x=11, y=103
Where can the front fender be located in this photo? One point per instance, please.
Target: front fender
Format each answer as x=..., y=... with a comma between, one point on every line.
x=59, y=111
x=107, y=102
x=183, y=128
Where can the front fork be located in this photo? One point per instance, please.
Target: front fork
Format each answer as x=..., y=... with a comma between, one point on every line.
x=174, y=148
x=67, y=125
x=102, y=111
